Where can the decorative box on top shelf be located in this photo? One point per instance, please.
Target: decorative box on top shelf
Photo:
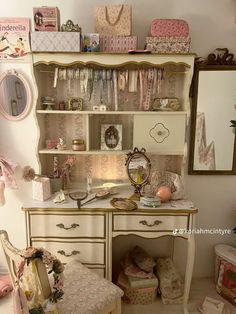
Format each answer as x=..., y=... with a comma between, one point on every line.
x=168, y=44
x=56, y=41
x=111, y=43
x=46, y=19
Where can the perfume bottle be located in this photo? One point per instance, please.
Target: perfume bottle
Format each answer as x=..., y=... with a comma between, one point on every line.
x=89, y=184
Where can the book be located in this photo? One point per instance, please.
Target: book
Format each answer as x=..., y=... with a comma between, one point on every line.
x=143, y=282
x=14, y=37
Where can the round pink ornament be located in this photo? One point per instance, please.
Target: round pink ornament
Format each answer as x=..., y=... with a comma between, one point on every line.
x=164, y=193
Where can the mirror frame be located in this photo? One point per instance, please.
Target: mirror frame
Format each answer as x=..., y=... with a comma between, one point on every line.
x=137, y=186
x=220, y=60
x=26, y=84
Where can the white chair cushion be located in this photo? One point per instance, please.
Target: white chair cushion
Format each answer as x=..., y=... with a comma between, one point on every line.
x=85, y=291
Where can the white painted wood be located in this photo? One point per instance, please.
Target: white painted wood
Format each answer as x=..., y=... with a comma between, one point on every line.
x=72, y=225
x=149, y=223
x=84, y=112
x=109, y=59
x=88, y=252
x=163, y=134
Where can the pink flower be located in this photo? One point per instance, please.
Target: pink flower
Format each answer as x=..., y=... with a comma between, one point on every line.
x=29, y=252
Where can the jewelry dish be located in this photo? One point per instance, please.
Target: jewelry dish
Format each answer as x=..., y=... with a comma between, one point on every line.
x=123, y=203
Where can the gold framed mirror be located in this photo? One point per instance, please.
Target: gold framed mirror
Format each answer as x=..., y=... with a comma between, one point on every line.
x=138, y=167
x=212, y=141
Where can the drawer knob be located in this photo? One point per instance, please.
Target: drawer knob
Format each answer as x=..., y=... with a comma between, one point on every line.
x=62, y=252
x=72, y=226
x=155, y=223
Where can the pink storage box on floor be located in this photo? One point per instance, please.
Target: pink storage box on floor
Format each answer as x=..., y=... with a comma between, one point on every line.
x=225, y=271
x=168, y=44
x=110, y=43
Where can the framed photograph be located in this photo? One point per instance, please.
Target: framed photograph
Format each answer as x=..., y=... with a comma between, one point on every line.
x=111, y=137
x=75, y=104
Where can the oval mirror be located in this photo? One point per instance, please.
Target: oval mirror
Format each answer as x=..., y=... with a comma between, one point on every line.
x=15, y=95
x=138, y=168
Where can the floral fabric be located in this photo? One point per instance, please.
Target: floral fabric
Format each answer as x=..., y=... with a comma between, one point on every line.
x=169, y=28
x=168, y=44
x=85, y=291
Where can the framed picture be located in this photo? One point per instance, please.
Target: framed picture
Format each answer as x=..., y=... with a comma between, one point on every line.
x=75, y=104
x=111, y=137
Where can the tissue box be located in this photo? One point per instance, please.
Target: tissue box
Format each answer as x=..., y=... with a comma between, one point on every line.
x=46, y=19
x=41, y=189
x=168, y=44
x=110, y=43
x=56, y=41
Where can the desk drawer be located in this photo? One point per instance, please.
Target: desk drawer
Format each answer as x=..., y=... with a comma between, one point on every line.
x=73, y=225
x=149, y=222
x=85, y=252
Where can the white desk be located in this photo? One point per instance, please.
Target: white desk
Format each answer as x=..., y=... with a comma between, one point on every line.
x=87, y=233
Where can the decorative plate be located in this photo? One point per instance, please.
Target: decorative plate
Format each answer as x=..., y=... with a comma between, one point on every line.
x=123, y=204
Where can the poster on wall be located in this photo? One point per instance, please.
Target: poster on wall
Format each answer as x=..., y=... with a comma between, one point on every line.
x=14, y=37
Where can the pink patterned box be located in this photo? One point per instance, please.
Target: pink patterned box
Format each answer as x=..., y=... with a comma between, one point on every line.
x=110, y=43
x=169, y=28
x=56, y=41
x=168, y=44
x=46, y=19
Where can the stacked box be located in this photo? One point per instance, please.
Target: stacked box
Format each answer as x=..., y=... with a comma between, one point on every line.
x=144, y=295
x=110, y=43
x=171, y=285
x=56, y=41
x=46, y=19
x=168, y=44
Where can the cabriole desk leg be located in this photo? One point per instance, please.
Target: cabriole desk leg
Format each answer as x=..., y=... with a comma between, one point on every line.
x=189, y=270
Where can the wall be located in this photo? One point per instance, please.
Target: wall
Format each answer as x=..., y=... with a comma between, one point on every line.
x=211, y=25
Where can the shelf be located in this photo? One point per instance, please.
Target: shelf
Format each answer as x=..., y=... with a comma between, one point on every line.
x=100, y=152
x=112, y=112
x=84, y=152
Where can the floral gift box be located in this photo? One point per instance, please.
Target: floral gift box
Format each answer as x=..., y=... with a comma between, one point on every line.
x=168, y=44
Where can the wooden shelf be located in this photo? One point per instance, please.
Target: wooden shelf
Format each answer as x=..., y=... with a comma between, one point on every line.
x=112, y=112
x=99, y=152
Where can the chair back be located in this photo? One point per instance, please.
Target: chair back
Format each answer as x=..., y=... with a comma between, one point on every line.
x=14, y=257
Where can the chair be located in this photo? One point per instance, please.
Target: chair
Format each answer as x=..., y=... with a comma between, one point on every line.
x=85, y=292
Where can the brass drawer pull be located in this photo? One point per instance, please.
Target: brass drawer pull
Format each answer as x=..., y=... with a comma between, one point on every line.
x=145, y=223
x=72, y=226
x=62, y=252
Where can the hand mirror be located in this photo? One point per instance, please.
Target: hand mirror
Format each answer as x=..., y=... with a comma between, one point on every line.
x=99, y=195
x=78, y=196
x=138, y=168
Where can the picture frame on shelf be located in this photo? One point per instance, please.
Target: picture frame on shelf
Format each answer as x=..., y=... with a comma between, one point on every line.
x=111, y=137
x=75, y=104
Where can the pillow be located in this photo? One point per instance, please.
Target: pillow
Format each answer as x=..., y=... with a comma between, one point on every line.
x=132, y=270
x=142, y=259
x=170, y=179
